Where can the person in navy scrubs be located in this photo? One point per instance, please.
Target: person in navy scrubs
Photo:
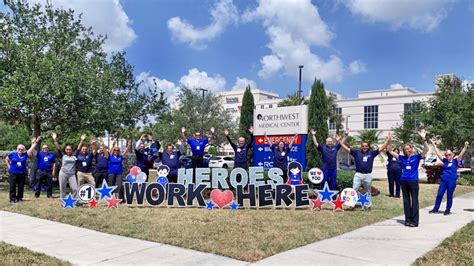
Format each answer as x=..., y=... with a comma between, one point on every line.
x=102, y=165
x=46, y=168
x=197, y=144
x=409, y=179
x=170, y=157
x=329, y=155
x=241, y=149
x=280, y=154
x=394, y=171
x=448, y=178
x=16, y=164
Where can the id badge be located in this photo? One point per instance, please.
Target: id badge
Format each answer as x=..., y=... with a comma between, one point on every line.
x=198, y=148
x=283, y=154
x=408, y=167
x=18, y=164
x=172, y=156
x=365, y=159
x=45, y=159
x=450, y=164
x=239, y=150
x=84, y=164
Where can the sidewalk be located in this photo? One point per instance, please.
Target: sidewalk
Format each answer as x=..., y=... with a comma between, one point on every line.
x=387, y=242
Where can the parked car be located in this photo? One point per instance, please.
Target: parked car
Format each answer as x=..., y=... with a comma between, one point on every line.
x=221, y=162
x=206, y=159
x=185, y=161
x=432, y=160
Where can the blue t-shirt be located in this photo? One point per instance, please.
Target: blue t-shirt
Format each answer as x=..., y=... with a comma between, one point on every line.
x=115, y=164
x=45, y=160
x=17, y=163
x=102, y=163
x=364, y=162
x=171, y=160
x=197, y=147
x=450, y=169
x=394, y=164
x=280, y=158
x=410, y=167
x=329, y=155
x=84, y=161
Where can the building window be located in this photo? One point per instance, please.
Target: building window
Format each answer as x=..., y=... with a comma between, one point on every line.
x=262, y=106
x=371, y=116
x=410, y=110
x=270, y=106
x=232, y=100
x=332, y=125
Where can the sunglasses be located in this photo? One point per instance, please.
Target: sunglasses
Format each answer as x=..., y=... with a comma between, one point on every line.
x=449, y=155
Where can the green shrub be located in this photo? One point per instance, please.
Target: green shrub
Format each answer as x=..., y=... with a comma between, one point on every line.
x=466, y=179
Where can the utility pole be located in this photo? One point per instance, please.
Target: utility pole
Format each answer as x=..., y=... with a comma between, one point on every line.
x=299, y=92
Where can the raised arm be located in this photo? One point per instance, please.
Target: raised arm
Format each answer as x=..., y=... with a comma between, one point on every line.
x=426, y=148
x=249, y=141
x=104, y=149
x=387, y=142
x=210, y=136
x=55, y=141
x=32, y=150
x=463, y=151
x=292, y=141
x=140, y=141
x=438, y=153
x=226, y=134
x=94, y=145
x=343, y=145
x=127, y=148
x=113, y=146
x=315, y=141
x=7, y=162
x=267, y=139
x=183, y=134
x=83, y=137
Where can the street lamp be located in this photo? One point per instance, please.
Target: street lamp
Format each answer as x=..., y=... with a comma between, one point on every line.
x=299, y=92
x=203, y=91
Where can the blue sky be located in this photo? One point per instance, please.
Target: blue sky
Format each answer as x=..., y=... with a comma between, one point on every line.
x=351, y=45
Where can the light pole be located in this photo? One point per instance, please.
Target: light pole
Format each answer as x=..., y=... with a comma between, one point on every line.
x=299, y=92
x=203, y=91
x=346, y=129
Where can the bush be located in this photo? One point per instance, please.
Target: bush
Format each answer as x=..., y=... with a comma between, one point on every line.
x=466, y=179
x=434, y=173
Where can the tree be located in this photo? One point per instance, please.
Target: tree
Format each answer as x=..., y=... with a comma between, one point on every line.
x=372, y=136
x=246, y=117
x=196, y=113
x=407, y=132
x=55, y=75
x=318, y=113
x=293, y=100
x=334, y=117
x=12, y=135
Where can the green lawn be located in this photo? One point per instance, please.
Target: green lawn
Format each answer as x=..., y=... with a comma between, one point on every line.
x=248, y=235
x=455, y=250
x=13, y=255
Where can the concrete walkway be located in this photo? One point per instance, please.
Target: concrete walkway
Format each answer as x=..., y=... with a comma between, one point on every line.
x=387, y=242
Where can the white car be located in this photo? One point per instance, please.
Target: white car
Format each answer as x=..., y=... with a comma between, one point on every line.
x=221, y=162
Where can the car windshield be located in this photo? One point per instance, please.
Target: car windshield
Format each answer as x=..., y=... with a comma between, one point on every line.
x=216, y=158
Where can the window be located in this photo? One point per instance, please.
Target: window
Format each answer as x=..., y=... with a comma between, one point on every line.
x=270, y=106
x=332, y=125
x=371, y=116
x=262, y=106
x=411, y=107
x=410, y=111
x=232, y=100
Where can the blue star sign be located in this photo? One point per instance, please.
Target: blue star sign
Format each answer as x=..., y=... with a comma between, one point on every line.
x=326, y=193
x=105, y=191
x=69, y=202
x=364, y=199
x=209, y=205
x=234, y=206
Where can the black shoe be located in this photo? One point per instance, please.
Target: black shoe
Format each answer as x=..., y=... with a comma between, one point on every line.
x=447, y=212
x=433, y=211
x=412, y=225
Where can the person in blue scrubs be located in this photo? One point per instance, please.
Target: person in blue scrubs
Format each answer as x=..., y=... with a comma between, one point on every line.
x=280, y=154
x=16, y=164
x=115, y=170
x=46, y=168
x=241, y=149
x=448, y=178
x=197, y=145
x=394, y=171
x=409, y=179
x=329, y=155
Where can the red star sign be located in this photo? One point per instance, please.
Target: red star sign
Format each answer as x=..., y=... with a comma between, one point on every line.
x=317, y=204
x=93, y=203
x=338, y=203
x=113, y=202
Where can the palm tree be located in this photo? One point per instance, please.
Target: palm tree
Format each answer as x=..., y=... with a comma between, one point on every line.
x=293, y=100
x=372, y=136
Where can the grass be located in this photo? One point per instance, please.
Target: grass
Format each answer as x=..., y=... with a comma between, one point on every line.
x=455, y=250
x=13, y=255
x=248, y=235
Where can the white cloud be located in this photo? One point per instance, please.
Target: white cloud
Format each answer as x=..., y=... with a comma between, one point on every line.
x=242, y=83
x=222, y=14
x=198, y=79
x=148, y=81
x=106, y=17
x=424, y=15
x=357, y=67
x=293, y=27
x=397, y=86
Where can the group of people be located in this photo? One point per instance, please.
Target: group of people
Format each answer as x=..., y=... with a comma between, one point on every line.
x=77, y=166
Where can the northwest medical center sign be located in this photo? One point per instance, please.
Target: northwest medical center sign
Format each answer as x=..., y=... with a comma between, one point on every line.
x=280, y=123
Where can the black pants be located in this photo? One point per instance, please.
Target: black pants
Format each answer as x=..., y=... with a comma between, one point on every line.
x=241, y=165
x=145, y=170
x=47, y=177
x=198, y=161
x=394, y=180
x=116, y=180
x=99, y=178
x=16, y=180
x=410, y=190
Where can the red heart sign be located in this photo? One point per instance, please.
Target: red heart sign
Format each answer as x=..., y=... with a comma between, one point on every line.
x=220, y=198
x=318, y=172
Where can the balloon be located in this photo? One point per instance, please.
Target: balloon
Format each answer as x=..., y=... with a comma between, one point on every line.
x=141, y=177
x=315, y=176
x=135, y=170
x=349, y=196
x=131, y=178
